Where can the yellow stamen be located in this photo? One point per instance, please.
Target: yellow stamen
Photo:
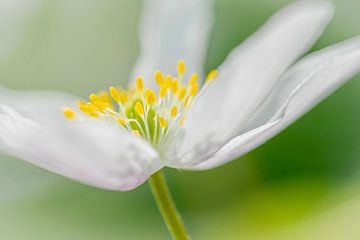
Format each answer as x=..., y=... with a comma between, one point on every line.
x=163, y=91
x=121, y=121
x=85, y=108
x=94, y=97
x=104, y=97
x=159, y=78
x=193, y=79
x=162, y=122
x=175, y=86
x=193, y=90
x=212, y=74
x=115, y=94
x=150, y=96
x=139, y=108
x=69, y=113
x=92, y=107
x=101, y=105
x=124, y=97
x=139, y=84
x=168, y=81
x=182, y=93
x=181, y=67
x=173, y=111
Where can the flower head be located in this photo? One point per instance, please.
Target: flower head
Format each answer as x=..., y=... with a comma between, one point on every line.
x=155, y=115
x=117, y=138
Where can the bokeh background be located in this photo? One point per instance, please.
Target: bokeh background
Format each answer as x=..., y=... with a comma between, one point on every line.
x=303, y=184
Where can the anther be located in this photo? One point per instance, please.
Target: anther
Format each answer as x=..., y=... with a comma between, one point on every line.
x=182, y=93
x=69, y=113
x=193, y=79
x=139, y=108
x=193, y=90
x=173, y=111
x=114, y=93
x=162, y=122
x=139, y=84
x=181, y=67
x=159, y=78
x=175, y=86
x=150, y=96
x=168, y=81
x=212, y=74
x=121, y=121
x=163, y=91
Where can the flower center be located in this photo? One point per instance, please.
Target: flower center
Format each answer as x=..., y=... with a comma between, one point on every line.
x=139, y=110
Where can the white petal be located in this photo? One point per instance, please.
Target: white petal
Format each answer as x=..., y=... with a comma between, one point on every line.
x=248, y=75
x=92, y=152
x=40, y=105
x=170, y=31
x=302, y=87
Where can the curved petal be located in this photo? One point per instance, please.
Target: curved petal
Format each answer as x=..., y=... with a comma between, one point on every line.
x=93, y=152
x=249, y=73
x=302, y=87
x=170, y=31
x=40, y=105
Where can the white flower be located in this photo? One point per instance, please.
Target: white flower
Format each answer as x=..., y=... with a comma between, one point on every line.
x=260, y=89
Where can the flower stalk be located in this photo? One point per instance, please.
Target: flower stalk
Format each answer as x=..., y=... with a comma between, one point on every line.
x=167, y=207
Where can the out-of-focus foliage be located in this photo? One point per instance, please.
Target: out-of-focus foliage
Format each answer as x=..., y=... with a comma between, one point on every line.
x=304, y=184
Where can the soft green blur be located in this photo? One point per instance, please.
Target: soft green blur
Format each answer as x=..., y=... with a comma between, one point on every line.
x=303, y=184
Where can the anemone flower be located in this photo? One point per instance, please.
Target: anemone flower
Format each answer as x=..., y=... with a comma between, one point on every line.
x=171, y=114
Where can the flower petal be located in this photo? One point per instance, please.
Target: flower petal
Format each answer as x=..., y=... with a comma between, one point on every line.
x=301, y=88
x=93, y=152
x=170, y=31
x=40, y=105
x=249, y=73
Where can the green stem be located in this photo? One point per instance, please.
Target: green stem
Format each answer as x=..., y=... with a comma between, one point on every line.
x=167, y=207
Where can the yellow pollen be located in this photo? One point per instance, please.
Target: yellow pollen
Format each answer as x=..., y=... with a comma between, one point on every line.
x=159, y=78
x=139, y=84
x=124, y=97
x=163, y=91
x=168, y=81
x=193, y=90
x=162, y=122
x=139, y=108
x=115, y=94
x=95, y=115
x=121, y=121
x=175, y=86
x=193, y=79
x=212, y=74
x=69, y=113
x=85, y=108
x=94, y=97
x=182, y=93
x=101, y=105
x=154, y=115
x=104, y=97
x=181, y=67
x=173, y=111
x=150, y=96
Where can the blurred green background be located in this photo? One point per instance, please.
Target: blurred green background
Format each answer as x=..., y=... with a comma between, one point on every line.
x=303, y=184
